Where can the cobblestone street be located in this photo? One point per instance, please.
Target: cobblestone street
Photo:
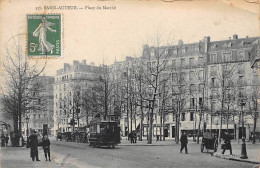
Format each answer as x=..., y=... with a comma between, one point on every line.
x=141, y=155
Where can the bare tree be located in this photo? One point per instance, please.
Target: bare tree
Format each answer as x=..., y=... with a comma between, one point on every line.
x=156, y=59
x=224, y=81
x=18, y=74
x=179, y=93
x=253, y=97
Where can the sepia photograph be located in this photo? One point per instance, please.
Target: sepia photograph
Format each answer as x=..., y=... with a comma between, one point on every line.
x=129, y=84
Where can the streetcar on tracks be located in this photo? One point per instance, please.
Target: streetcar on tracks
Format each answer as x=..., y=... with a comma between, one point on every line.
x=104, y=133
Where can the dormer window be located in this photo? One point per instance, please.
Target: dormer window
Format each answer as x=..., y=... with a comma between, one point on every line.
x=197, y=48
x=183, y=50
x=242, y=43
x=241, y=55
x=152, y=52
x=226, y=56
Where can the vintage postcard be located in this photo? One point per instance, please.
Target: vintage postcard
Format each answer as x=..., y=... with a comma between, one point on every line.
x=129, y=84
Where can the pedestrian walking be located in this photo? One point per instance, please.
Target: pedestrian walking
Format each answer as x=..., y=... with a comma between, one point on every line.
x=6, y=139
x=131, y=136
x=134, y=136
x=184, y=142
x=46, y=147
x=33, y=143
x=2, y=140
x=227, y=143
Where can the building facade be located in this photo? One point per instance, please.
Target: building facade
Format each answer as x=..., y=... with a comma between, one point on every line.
x=215, y=76
x=70, y=83
x=39, y=112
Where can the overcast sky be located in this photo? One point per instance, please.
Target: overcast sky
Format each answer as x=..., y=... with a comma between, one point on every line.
x=106, y=34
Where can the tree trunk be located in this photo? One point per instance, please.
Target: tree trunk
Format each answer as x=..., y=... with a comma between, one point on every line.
x=227, y=117
x=141, y=123
x=156, y=129
x=15, y=142
x=147, y=129
x=150, y=134
x=234, y=127
x=161, y=125
x=198, y=135
x=177, y=123
x=131, y=115
x=73, y=118
x=87, y=118
x=135, y=117
x=211, y=119
x=254, y=127
x=220, y=128
x=127, y=118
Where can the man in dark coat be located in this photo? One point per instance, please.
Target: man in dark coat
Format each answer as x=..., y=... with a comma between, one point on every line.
x=6, y=139
x=134, y=136
x=227, y=143
x=131, y=136
x=184, y=142
x=2, y=140
x=46, y=147
x=33, y=143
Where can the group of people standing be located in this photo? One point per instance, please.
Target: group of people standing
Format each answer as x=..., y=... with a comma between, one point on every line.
x=133, y=137
x=4, y=140
x=33, y=144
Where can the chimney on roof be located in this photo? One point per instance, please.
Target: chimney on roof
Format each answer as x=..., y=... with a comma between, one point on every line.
x=206, y=39
x=75, y=62
x=229, y=38
x=84, y=62
x=180, y=42
x=247, y=36
x=235, y=36
x=145, y=47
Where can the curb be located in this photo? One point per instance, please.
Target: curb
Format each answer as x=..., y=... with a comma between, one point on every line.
x=227, y=157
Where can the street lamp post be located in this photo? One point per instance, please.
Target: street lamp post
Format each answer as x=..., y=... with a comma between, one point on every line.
x=27, y=129
x=243, y=149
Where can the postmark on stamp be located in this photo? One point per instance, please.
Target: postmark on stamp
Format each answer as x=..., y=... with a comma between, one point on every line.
x=44, y=35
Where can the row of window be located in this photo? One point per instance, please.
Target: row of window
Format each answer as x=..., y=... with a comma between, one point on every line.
x=192, y=75
x=240, y=68
x=174, y=51
x=38, y=116
x=227, y=57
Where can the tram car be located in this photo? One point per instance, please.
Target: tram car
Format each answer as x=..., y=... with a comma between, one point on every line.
x=104, y=133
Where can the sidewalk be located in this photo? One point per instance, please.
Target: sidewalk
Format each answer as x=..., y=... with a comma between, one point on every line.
x=19, y=157
x=253, y=153
x=167, y=142
x=124, y=142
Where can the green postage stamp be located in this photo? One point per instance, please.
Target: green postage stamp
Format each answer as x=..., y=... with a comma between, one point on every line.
x=44, y=35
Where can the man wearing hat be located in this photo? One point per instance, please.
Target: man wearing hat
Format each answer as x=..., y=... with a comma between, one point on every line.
x=33, y=143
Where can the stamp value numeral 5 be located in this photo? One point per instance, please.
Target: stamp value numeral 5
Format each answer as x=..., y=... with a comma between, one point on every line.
x=33, y=47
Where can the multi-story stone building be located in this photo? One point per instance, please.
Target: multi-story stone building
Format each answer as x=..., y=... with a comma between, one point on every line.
x=69, y=81
x=216, y=76
x=39, y=113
